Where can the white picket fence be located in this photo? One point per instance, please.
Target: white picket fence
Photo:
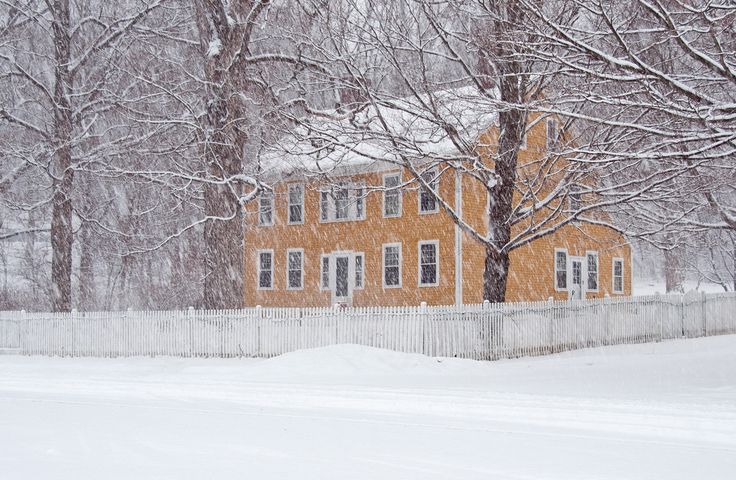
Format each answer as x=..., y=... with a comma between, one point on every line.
x=482, y=332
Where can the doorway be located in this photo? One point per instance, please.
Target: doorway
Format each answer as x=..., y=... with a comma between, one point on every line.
x=342, y=274
x=577, y=290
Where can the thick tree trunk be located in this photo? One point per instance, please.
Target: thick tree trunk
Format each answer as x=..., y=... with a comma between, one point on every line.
x=511, y=120
x=223, y=234
x=62, y=236
x=86, y=271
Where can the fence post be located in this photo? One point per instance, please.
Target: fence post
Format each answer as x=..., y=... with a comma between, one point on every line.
x=423, y=313
x=335, y=310
x=682, y=314
x=551, y=309
x=23, y=336
x=704, y=313
x=259, y=314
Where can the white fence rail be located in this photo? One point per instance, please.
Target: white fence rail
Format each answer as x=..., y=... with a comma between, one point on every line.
x=482, y=332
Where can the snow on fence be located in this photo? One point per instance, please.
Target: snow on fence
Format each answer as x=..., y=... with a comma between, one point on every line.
x=482, y=332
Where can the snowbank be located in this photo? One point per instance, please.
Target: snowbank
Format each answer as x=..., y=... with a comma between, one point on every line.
x=646, y=411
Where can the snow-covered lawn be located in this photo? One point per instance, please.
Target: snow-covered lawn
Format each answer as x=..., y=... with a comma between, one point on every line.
x=653, y=411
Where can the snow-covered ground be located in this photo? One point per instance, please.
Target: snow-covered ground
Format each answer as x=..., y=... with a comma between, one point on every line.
x=654, y=286
x=652, y=411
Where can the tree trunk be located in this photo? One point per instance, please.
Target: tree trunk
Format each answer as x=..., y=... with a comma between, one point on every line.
x=223, y=233
x=61, y=218
x=86, y=271
x=673, y=271
x=511, y=124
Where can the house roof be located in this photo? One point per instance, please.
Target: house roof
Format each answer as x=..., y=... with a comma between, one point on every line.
x=380, y=135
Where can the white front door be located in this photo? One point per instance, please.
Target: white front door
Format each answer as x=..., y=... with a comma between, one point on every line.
x=577, y=288
x=342, y=278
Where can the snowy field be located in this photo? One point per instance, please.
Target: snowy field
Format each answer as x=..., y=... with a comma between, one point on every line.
x=653, y=286
x=652, y=411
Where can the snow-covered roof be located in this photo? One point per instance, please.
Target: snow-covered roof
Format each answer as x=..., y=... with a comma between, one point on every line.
x=381, y=134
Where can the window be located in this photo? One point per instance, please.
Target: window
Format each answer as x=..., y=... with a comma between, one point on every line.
x=392, y=195
x=427, y=200
x=560, y=269
x=618, y=275
x=553, y=133
x=265, y=269
x=428, y=264
x=592, y=271
x=265, y=208
x=359, y=270
x=392, y=265
x=294, y=269
x=343, y=202
x=296, y=204
x=324, y=273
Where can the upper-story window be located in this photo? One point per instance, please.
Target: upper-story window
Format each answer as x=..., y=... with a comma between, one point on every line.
x=618, y=275
x=427, y=200
x=265, y=208
x=343, y=202
x=392, y=195
x=553, y=133
x=296, y=203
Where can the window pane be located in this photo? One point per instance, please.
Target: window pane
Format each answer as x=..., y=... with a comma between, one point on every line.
x=265, y=279
x=561, y=279
x=392, y=276
x=429, y=274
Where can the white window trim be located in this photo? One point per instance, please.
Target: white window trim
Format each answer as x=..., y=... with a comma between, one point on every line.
x=597, y=271
x=436, y=200
x=273, y=209
x=400, y=196
x=554, y=269
x=362, y=273
x=383, y=265
x=353, y=200
x=289, y=204
x=322, y=272
x=301, y=268
x=436, y=244
x=613, y=275
x=258, y=269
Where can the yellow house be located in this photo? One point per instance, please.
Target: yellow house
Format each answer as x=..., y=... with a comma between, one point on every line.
x=359, y=240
